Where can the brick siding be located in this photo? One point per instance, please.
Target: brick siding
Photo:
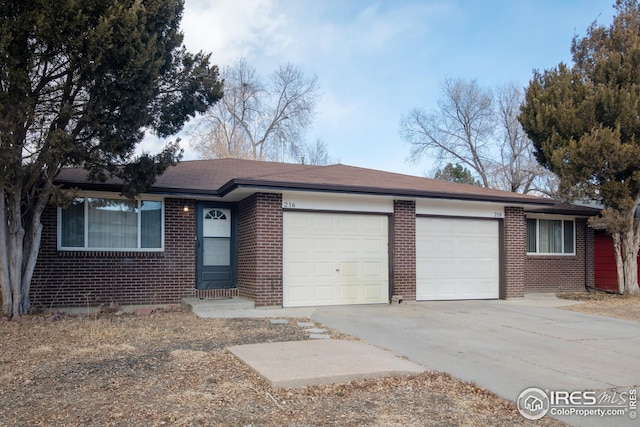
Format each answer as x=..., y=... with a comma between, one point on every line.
x=88, y=278
x=93, y=278
x=562, y=273
x=260, y=249
x=404, y=250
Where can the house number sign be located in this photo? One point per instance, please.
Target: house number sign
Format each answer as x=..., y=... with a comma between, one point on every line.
x=288, y=205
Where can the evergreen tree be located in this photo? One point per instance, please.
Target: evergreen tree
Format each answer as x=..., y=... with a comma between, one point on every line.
x=80, y=83
x=584, y=121
x=456, y=173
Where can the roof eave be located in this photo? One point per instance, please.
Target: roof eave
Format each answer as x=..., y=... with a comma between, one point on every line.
x=257, y=184
x=111, y=187
x=351, y=189
x=578, y=212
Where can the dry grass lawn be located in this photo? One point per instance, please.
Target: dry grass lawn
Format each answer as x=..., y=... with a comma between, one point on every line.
x=172, y=369
x=604, y=304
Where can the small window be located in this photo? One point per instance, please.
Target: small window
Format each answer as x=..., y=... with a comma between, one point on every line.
x=96, y=223
x=550, y=236
x=216, y=234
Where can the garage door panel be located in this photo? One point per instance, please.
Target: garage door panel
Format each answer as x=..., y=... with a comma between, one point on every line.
x=349, y=271
x=322, y=247
x=298, y=294
x=485, y=267
x=348, y=224
x=376, y=224
x=350, y=294
x=457, y=258
x=324, y=270
x=373, y=292
x=299, y=247
x=373, y=269
x=324, y=294
x=299, y=270
x=487, y=246
x=346, y=257
x=374, y=247
x=348, y=246
x=319, y=224
x=475, y=249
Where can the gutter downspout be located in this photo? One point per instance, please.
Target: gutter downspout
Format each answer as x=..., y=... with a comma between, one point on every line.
x=586, y=253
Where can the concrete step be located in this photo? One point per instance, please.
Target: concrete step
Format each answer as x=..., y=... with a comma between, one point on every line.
x=235, y=303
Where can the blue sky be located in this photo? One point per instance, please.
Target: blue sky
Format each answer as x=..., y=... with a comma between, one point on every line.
x=377, y=60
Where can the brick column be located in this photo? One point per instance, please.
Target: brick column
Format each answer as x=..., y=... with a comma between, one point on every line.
x=515, y=252
x=260, y=249
x=404, y=250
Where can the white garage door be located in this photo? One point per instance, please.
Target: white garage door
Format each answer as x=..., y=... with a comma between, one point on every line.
x=457, y=258
x=331, y=259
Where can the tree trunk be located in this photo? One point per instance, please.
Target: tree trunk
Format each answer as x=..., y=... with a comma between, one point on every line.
x=32, y=243
x=5, y=284
x=630, y=246
x=16, y=244
x=20, y=236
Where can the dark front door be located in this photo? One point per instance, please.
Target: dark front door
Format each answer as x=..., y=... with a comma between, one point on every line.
x=215, y=269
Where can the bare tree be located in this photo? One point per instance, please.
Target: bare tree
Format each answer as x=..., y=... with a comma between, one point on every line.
x=518, y=170
x=479, y=130
x=318, y=154
x=458, y=132
x=258, y=120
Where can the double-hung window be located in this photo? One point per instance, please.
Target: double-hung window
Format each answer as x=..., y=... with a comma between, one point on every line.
x=100, y=223
x=550, y=236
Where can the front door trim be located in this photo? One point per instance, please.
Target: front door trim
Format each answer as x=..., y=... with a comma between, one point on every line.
x=215, y=277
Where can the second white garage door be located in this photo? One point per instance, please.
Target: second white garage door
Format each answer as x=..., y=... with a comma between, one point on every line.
x=332, y=259
x=457, y=258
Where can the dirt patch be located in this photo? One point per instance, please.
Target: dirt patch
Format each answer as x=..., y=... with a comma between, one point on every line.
x=173, y=369
x=605, y=304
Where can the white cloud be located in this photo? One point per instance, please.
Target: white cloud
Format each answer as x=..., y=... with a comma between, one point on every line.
x=352, y=47
x=230, y=29
x=365, y=30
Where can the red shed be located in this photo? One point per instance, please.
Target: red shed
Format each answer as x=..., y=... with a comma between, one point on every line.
x=606, y=277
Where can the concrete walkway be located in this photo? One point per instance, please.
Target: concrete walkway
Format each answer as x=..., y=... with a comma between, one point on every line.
x=317, y=362
x=504, y=346
x=240, y=308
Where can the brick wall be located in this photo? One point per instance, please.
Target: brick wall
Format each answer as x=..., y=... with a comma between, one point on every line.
x=260, y=249
x=87, y=278
x=562, y=273
x=404, y=249
x=515, y=250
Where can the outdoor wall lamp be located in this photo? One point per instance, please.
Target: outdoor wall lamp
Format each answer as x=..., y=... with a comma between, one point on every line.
x=185, y=208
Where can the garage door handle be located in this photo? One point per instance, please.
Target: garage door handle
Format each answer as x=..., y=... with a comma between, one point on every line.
x=337, y=269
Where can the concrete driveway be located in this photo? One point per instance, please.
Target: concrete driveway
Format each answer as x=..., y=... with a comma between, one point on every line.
x=504, y=346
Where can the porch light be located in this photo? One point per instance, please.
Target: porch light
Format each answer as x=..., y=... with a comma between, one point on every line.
x=185, y=208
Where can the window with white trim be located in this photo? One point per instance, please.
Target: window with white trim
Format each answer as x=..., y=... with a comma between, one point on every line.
x=99, y=223
x=550, y=236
